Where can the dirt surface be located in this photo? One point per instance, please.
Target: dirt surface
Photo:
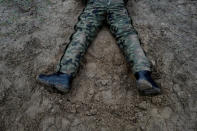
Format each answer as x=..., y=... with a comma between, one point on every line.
x=103, y=97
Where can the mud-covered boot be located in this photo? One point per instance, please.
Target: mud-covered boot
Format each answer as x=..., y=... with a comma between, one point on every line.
x=145, y=84
x=60, y=81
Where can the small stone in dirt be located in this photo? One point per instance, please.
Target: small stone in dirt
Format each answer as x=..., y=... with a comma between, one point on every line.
x=73, y=110
x=60, y=101
x=76, y=122
x=143, y=105
x=104, y=82
x=91, y=112
x=156, y=100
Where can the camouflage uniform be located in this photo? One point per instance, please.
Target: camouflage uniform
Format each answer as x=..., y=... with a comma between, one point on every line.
x=90, y=21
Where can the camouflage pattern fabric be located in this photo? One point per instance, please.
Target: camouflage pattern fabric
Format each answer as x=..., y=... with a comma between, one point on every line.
x=90, y=21
x=85, y=1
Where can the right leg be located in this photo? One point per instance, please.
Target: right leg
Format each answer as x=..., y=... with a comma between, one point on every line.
x=86, y=29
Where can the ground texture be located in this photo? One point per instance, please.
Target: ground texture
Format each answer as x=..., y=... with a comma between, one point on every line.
x=33, y=35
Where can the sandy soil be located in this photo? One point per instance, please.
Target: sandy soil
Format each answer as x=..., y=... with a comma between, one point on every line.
x=33, y=35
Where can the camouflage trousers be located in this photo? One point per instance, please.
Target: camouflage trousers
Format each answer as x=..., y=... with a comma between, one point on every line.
x=90, y=21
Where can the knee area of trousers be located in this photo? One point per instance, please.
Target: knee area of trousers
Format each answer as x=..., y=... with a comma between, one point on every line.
x=127, y=36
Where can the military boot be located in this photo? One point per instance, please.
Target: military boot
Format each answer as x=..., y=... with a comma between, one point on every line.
x=145, y=84
x=61, y=81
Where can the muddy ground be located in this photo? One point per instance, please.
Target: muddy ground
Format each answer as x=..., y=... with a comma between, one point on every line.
x=33, y=36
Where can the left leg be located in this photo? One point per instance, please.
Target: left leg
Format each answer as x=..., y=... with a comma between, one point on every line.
x=127, y=38
x=128, y=41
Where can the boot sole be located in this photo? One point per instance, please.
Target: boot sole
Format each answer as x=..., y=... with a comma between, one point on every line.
x=153, y=91
x=143, y=85
x=145, y=88
x=57, y=87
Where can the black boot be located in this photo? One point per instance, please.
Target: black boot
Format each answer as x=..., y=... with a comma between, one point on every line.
x=60, y=81
x=146, y=84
